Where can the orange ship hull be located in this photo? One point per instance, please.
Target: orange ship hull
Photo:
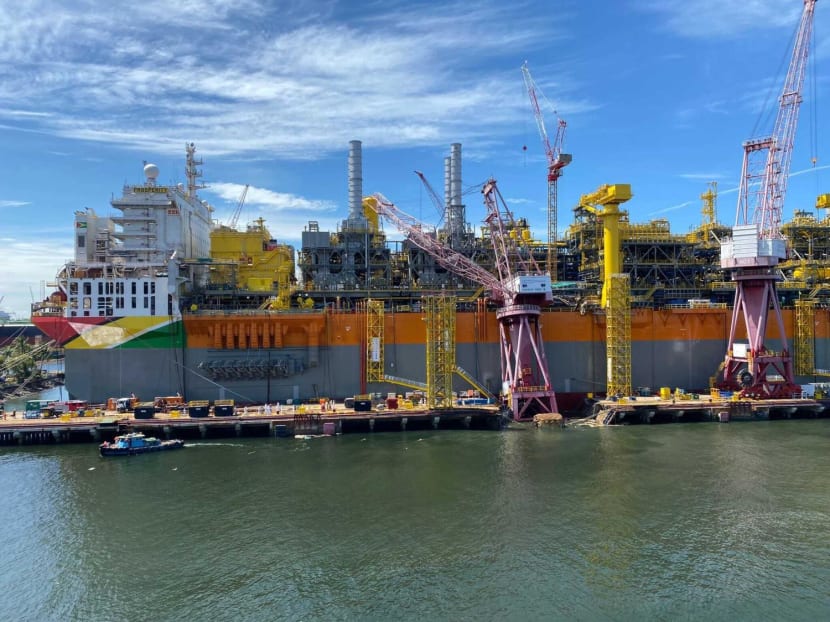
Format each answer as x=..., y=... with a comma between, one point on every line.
x=277, y=356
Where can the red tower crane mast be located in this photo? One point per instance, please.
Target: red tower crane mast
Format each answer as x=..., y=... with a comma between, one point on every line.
x=519, y=289
x=757, y=243
x=556, y=162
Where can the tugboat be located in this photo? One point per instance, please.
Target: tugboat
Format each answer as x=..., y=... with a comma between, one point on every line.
x=136, y=443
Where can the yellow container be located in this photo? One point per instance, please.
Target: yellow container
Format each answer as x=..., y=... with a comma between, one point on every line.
x=66, y=417
x=174, y=414
x=714, y=393
x=665, y=393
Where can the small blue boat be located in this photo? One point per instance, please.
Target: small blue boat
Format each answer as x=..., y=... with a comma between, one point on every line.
x=136, y=443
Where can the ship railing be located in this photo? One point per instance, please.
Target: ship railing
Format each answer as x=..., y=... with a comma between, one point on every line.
x=246, y=312
x=530, y=389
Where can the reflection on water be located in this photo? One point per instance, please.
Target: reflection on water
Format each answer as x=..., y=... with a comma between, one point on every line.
x=679, y=521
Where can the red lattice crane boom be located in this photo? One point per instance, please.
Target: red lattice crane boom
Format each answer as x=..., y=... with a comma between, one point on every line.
x=757, y=244
x=519, y=289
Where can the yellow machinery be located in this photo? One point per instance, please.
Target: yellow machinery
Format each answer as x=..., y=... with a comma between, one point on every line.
x=616, y=287
x=805, y=336
x=374, y=340
x=251, y=259
x=605, y=202
x=710, y=231
x=440, y=351
x=440, y=348
x=618, y=335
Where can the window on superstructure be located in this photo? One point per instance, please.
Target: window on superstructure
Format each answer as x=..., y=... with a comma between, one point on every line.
x=133, y=287
x=81, y=241
x=87, y=288
x=105, y=305
x=119, y=287
x=119, y=302
x=87, y=303
x=133, y=302
x=73, y=288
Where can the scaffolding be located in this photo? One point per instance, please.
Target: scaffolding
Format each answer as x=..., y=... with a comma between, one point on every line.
x=663, y=266
x=440, y=349
x=618, y=335
x=374, y=341
x=805, y=336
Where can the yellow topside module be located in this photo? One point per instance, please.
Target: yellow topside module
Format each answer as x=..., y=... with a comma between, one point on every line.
x=250, y=259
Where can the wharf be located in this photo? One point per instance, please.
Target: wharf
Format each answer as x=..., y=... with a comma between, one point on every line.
x=653, y=410
x=170, y=425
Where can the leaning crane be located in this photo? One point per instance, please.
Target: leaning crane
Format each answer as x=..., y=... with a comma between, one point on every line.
x=757, y=244
x=556, y=162
x=238, y=209
x=520, y=288
x=433, y=196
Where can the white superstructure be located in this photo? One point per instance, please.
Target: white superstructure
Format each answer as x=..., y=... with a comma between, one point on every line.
x=136, y=263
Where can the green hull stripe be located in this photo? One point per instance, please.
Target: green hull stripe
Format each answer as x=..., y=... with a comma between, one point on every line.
x=169, y=336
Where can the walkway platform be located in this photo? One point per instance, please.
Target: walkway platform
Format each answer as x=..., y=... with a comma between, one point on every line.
x=651, y=410
x=167, y=425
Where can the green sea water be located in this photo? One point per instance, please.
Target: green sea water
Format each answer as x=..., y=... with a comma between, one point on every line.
x=674, y=522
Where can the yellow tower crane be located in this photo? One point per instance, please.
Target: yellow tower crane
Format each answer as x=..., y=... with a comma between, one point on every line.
x=605, y=203
x=616, y=287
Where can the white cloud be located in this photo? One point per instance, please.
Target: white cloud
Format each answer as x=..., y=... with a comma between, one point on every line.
x=7, y=203
x=268, y=199
x=285, y=214
x=24, y=264
x=252, y=78
x=715, y=18
x=673, y=208
x=812, y=169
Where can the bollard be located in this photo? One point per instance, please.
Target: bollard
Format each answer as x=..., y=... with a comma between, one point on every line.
x=403, y=423
x=435, y=422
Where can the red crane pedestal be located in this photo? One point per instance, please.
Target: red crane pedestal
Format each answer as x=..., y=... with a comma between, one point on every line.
x=758, y=373
x=525, y=374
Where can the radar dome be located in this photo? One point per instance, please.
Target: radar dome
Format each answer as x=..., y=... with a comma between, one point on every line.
x=151, y=171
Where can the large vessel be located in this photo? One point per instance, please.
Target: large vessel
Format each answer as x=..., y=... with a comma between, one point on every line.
x=160, y=300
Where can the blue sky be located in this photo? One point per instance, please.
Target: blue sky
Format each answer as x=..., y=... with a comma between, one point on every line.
x=655, y=93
